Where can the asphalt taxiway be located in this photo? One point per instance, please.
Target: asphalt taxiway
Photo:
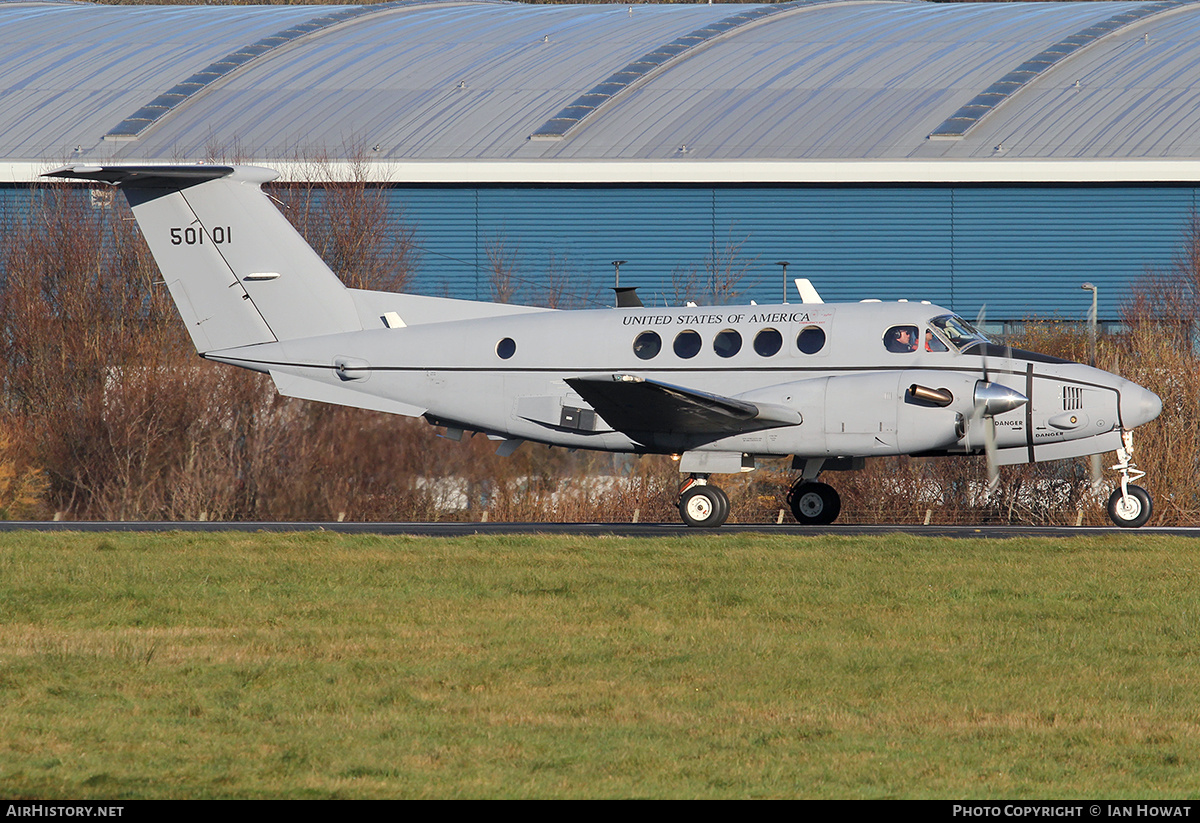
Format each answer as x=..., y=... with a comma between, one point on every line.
x=589, y=529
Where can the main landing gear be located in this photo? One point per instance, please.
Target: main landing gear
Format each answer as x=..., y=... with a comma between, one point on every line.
x=1129, y=506
x=701, y=504
x=704, y=505
x=814, y=504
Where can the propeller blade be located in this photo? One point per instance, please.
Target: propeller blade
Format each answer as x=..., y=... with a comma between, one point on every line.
x=980, y=320
x=989, y=449
x=982, y=421
x=992, y=399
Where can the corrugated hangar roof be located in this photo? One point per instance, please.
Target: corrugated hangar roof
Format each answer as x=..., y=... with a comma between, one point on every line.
x=484, y=80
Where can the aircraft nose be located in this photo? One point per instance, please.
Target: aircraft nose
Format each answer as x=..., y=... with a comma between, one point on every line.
x=1138, y=406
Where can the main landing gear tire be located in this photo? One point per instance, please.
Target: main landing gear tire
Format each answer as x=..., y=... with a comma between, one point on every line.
x=814, y=504
x=1132, y=511
x=704, y=507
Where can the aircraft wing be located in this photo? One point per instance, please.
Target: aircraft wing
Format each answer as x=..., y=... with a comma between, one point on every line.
x=636, y=405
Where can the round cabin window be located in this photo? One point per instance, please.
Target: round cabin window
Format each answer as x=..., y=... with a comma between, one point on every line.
x=687, y=344
x=647, y=345
x=811, y=340
x=768, y=342
x=727, y=343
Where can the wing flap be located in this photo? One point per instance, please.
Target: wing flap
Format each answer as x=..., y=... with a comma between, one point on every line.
x=636, y=405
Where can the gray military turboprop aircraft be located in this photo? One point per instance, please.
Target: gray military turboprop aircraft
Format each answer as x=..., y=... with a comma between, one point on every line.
x=827, y=384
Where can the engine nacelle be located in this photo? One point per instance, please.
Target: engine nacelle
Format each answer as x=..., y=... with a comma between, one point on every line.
x=875, y=413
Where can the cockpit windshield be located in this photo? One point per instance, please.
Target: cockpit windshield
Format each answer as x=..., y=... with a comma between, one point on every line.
x=959, y=332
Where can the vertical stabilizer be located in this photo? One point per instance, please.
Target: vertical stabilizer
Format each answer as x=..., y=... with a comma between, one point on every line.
x=238, y=271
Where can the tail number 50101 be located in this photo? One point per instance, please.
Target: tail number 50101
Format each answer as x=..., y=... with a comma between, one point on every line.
x=194, y=236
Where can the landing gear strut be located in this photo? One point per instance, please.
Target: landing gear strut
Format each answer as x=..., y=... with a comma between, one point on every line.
x=702, y=505
x=1129, y=506
x=814, y=504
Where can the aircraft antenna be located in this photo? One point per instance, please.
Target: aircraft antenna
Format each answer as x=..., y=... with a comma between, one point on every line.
x=616, y=264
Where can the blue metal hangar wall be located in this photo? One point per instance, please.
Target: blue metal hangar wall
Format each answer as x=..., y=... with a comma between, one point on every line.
x=954, y=152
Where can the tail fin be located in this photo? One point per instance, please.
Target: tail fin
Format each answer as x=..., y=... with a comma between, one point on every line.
x=238, y=272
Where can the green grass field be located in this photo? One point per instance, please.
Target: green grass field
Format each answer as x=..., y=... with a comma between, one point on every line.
x=320, y=665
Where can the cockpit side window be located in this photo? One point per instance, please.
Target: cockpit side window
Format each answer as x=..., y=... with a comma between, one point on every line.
x=933, y=342
x=901, y=339
x=959, y=332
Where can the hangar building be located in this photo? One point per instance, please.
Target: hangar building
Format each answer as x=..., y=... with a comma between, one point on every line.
x=957, y=152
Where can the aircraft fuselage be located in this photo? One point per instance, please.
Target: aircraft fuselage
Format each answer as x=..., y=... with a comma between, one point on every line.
x=506, y=376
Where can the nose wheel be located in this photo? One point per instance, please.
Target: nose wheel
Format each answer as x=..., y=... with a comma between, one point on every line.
x=814, y=504
x=702, y=505
x=1129, y=506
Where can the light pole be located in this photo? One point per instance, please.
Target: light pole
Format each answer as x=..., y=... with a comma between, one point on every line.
x=1092, y=322
x=784, y=264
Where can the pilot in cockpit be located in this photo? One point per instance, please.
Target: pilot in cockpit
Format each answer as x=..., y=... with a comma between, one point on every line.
x=901, y=339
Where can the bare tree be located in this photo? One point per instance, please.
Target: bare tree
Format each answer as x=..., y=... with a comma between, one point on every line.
x=502, y=269
x=556, y=284
x=1170, y=297
x=726, y=270
x=352, y=225
x=722, y=279
x=685, y=285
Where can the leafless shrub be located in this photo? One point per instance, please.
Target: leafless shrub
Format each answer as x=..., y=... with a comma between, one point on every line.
x=1169, y=298
x=726, y=270
x=555, y=288
x=22, y=485
x=78, y=300
x=685, y=285
x=514, y=278
x=502, y=269
x=351, y=224
x=588, y=488
x=722, y=279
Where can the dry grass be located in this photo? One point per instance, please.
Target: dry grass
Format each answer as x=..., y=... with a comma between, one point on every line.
x=716, y=666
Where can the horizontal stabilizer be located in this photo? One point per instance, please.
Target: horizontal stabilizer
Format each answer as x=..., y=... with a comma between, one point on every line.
x=635, y=405
x=153, y=177
x=290, y=385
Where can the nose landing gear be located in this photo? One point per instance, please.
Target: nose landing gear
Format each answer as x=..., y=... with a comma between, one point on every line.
x=1129, y=506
